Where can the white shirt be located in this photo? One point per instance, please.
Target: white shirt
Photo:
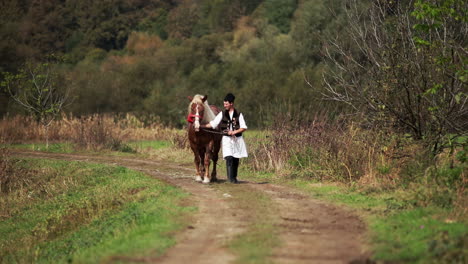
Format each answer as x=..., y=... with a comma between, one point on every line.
x=232, y=145
x=215, y=122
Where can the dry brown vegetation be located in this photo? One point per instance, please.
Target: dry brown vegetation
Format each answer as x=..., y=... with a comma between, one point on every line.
x=92, y=132
x=331, y=150
x=368, y=158
x=5, y=170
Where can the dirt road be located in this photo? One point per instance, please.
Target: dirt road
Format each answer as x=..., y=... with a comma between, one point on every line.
x=310, y=231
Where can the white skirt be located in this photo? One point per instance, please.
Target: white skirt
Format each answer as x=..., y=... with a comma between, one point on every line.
x=234, y=146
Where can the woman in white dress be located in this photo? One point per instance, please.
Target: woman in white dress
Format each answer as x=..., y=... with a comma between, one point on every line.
x=233, y=124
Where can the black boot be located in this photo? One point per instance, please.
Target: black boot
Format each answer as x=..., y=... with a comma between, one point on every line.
x=235, y=165
x=230, y=168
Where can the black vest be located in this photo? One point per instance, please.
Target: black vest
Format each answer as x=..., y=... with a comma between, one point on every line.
x=226, y=122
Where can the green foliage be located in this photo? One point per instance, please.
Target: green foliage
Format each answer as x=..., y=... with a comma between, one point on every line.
x=279, y=13
x=314, y=22
x=437, y=11
x=96, y=55
x=155, y=24
x=182, y=20
x=108, y=73
x=222, y=15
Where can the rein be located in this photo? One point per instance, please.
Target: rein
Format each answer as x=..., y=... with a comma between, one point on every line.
x=214, y=132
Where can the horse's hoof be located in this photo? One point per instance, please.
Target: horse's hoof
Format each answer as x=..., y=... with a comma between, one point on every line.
x=206, y=180
x=198, y=179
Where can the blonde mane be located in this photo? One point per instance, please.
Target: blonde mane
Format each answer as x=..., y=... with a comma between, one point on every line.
x=209, y=115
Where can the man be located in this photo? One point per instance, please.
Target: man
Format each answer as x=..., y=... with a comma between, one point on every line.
x=233, y=125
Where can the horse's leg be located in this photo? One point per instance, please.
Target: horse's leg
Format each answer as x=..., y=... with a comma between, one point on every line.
x=201, y=154
x=215, y=156
x=196, y=160
x=198, y=177
x=207, y=166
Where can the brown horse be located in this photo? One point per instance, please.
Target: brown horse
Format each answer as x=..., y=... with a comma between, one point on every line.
x=205, y=143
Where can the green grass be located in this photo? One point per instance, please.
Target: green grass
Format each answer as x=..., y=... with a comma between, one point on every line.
x=255, y=244
x=130, y=148
x=149, y=144
x=141, y=148
x=53, y=147
x=344, y=195
x=419, y=235
x=399, y=232
x=86, y=213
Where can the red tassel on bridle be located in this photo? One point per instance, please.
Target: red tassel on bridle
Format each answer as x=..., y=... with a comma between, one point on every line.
x=190, y=118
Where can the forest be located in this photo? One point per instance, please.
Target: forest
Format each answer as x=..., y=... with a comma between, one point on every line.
x=371, y=94
x=281, y=56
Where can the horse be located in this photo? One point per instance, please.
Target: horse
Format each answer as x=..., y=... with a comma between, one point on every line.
x=205, y=143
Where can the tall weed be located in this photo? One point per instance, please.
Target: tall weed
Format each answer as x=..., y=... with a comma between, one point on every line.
x=323, y=149
x=92, y=132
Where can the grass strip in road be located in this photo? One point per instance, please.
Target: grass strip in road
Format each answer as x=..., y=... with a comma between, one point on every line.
x=255, y=245
x=61, y=211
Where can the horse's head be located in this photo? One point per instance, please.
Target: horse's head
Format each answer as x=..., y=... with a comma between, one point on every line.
x=197, y=110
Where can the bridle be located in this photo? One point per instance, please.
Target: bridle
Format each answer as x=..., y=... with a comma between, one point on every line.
x=194, y=117
x=191, y=116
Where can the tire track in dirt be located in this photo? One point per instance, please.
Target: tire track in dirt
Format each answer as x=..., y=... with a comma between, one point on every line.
x=310, y=230
x=315, y=232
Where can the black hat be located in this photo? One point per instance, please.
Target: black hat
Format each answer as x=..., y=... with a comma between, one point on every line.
x=229, y=98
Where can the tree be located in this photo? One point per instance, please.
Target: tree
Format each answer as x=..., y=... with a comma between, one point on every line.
x=182, y=19
x=404, y=62
x=279, y=13
x=36, y=88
